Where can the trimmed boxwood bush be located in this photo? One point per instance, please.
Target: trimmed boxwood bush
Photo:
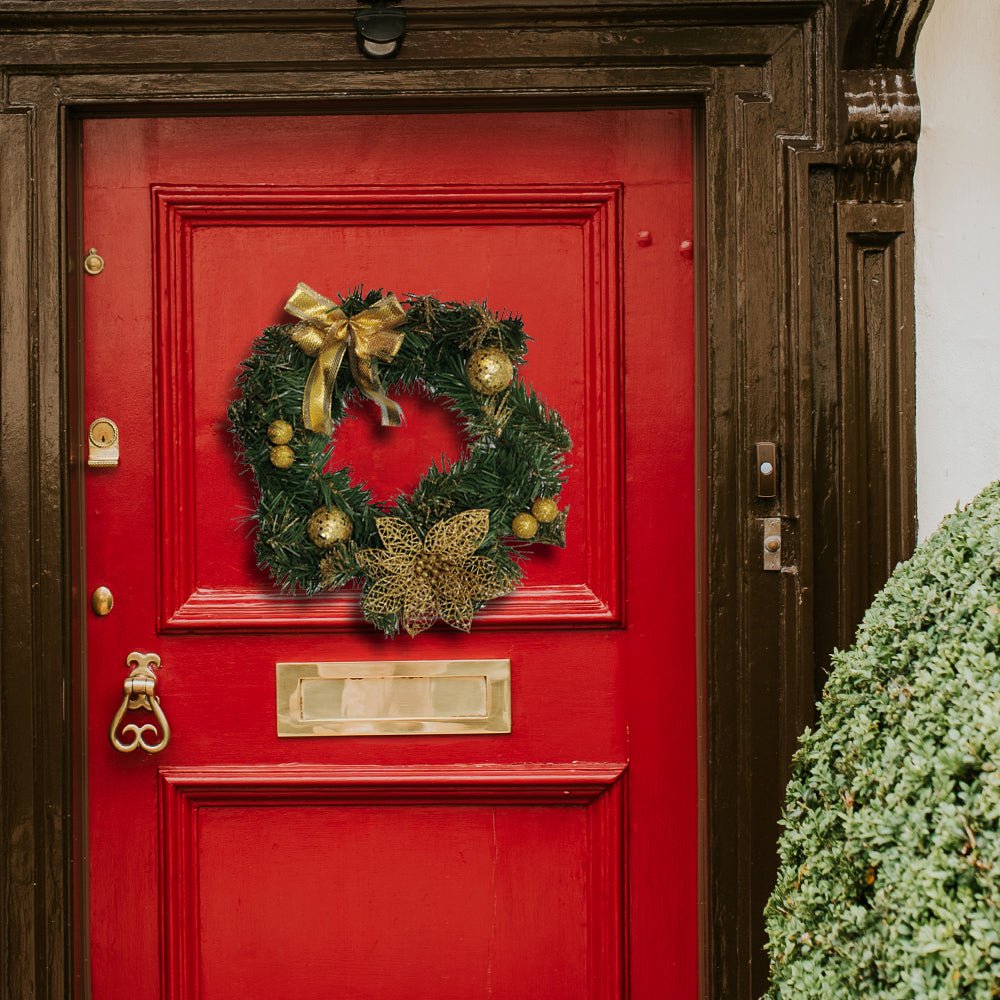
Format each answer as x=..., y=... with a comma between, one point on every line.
x=889, y=885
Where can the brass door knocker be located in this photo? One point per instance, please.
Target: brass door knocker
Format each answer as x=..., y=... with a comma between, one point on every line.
x=140, y=693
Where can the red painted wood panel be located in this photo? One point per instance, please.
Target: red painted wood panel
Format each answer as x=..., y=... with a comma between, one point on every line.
x=509, y=227
x=206, y=225
x=498, y=867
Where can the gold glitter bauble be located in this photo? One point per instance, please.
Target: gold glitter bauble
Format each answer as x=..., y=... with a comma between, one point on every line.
x=490, y=371
x=327, y=526
x=279, y=432
x=524, y=526
x=282, y=457
x=545, y=510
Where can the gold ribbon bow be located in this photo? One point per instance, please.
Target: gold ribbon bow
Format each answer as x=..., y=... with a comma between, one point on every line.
x=326, y=334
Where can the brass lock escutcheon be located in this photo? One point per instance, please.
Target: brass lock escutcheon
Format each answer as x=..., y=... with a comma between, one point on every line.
x=102, y=439
x=140, y=695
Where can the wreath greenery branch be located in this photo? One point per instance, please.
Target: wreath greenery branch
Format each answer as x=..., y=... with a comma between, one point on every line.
x=514, y=457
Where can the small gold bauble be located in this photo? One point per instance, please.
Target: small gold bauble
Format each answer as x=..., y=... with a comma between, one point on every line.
x=490, y=370
x=282, y=457
x=545, y=510
x=279, y=432
x=327, y=526
x=524, y=526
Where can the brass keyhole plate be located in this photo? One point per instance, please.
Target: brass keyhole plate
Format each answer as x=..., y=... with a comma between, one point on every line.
x=103, y=433
x=103, y=451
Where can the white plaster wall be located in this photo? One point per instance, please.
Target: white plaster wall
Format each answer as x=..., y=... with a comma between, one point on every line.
x=957, y=205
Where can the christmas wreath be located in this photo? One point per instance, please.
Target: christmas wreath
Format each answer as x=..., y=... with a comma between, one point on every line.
x=456, y=541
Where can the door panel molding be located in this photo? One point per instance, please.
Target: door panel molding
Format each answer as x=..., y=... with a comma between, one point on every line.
x=595, y=210
x=190, y=797
x=770, y=81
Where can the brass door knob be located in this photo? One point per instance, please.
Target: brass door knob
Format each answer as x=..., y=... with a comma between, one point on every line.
x=102, y=601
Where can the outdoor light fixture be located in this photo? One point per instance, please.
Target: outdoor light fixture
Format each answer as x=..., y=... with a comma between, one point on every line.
x=380, y=30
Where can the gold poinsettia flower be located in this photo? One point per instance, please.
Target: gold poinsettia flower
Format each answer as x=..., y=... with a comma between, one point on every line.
x=437, y=577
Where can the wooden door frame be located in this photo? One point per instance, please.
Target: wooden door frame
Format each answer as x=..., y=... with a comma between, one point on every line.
x=807, y=120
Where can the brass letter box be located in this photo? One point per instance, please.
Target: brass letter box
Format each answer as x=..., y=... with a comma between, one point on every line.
x=393, y=697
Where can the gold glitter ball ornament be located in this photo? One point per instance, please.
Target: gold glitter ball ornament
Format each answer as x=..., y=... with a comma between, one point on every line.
x=545, y=509
x=282, y=457
x=490, y=370
x=328, y=526
x=524, y=526
x=279, y=432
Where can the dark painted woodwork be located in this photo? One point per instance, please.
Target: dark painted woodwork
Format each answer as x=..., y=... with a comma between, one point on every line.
x=881, y=33
x=803, y=238
x=877, y=363
x=883, y=125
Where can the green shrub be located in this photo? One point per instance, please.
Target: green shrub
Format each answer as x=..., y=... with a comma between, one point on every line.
x=889, y=885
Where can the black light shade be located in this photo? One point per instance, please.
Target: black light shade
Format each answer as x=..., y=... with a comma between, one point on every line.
x=380, y=31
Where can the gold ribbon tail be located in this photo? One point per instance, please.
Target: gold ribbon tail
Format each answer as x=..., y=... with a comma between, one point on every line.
x=317, y=396
x=367, y=381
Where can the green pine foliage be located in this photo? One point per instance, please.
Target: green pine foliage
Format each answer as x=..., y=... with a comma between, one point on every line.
x=889, y=886
x=515, y=451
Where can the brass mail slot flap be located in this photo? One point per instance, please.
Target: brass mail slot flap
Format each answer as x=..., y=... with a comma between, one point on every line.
x=393, y=697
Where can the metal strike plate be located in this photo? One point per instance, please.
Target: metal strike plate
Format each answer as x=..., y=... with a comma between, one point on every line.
x=772, y=544
x=393, y=698
x=767, y=469
x=103, y=442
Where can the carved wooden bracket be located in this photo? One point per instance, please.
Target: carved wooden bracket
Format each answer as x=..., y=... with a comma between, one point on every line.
x=882, y=32
x=881, y=110
x=883, y=125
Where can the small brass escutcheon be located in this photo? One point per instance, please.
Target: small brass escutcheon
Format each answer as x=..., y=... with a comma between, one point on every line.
x=103, y=441
x=102, y=601
x=93, y=263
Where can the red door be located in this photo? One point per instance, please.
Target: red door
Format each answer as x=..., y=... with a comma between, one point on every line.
x=558, y=860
